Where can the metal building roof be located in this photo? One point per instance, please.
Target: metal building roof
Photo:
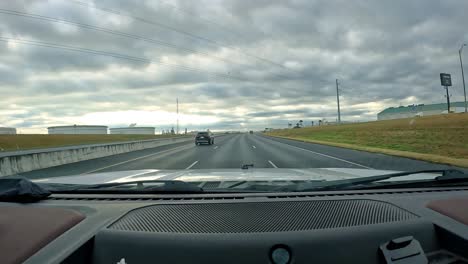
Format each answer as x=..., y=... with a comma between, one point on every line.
x=78, y=126
x=420, y=108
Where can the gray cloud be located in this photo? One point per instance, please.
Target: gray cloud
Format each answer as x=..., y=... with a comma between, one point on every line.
x=287, y=55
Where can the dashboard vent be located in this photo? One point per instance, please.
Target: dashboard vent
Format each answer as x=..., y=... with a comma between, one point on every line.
x=254, y=217
x=361, y=193
x=119, y=198
x=89, y=197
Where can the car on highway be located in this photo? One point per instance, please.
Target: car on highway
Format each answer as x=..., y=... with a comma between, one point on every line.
x=204, y=138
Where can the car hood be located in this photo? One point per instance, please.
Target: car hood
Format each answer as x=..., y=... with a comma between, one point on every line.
x=207, y=175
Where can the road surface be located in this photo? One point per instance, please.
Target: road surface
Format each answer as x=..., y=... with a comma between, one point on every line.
x=234, y=150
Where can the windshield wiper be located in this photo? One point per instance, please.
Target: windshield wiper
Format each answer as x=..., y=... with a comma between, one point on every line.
x=171, y=186
x=447, y=175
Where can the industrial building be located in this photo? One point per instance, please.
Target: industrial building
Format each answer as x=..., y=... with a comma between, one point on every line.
x=77, y=130
x=420, y=110
x=133, y=130
x=7, y=131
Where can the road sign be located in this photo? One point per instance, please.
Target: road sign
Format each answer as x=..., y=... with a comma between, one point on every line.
x=445, y=79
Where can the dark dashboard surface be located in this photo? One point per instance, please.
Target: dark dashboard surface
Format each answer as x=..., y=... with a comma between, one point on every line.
x=385, y=226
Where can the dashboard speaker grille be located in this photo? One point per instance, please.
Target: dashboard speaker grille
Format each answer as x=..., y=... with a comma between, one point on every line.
x=254, y=217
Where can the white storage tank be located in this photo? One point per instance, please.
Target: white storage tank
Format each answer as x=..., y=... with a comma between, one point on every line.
x=133, y=130
x=77, y=130
x=7, y=131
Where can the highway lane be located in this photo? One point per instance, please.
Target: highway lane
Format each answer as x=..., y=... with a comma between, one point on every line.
x=234, y=150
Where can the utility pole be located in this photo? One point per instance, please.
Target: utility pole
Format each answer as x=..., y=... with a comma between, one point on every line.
x=463, y=75
x=338, y=101
x=177, y=102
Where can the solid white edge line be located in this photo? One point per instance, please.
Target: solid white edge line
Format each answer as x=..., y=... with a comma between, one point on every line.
x=191, y=165
x=127, y=161
x=272, y=164
x=325, y=155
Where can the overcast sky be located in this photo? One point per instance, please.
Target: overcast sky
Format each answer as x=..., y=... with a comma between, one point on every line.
x=233, y=64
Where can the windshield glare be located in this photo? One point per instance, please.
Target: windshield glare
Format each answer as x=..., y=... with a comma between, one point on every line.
x=232, y=94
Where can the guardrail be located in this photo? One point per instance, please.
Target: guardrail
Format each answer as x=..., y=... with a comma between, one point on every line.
x=14, y=162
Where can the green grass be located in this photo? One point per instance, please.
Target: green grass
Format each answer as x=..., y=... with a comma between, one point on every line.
x=21, y=142
x=442, y=138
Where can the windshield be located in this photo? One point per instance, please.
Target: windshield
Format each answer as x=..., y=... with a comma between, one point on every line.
x=228, y=94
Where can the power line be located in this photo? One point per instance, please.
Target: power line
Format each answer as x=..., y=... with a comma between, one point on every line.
x=118, y=33
x=144, y=20
x=207, y=21
x=113, y=55
x=159, y=24
x=109, y=31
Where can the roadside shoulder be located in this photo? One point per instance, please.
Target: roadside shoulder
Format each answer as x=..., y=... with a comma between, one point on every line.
x=398, y=153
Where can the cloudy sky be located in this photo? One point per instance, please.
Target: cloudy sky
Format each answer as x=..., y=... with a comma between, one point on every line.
x=233, y=64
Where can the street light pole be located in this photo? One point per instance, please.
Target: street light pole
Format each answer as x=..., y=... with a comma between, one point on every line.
x=463, y=74
x=177, y=102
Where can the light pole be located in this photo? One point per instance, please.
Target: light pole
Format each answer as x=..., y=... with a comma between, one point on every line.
x=177, y=102
x=463, y=74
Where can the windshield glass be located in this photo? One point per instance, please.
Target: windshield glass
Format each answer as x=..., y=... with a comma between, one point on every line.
x=220, y=93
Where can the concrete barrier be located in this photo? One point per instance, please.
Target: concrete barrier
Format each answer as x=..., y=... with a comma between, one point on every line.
x=27, y=160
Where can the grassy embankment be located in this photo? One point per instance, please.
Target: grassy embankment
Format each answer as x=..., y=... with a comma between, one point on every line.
x=440, y=139
x=21, y=142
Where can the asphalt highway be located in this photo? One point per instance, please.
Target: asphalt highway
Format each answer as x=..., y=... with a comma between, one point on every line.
x=235, y=150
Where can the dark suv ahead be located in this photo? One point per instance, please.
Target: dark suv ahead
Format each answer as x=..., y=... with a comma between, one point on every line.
x=204, y=138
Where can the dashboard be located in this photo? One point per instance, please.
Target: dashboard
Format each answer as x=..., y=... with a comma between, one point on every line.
x=378, y=226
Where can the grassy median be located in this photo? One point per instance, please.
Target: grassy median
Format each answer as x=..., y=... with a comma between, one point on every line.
x=440, y=139
x=21, y=142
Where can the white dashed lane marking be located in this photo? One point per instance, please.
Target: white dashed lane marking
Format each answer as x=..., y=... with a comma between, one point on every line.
x=272, y=164
x=191, y=165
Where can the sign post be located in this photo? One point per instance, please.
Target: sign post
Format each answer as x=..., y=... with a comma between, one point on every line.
x=446, y=81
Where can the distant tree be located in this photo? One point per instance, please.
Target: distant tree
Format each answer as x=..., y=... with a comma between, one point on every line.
x=289, y=125
x=301, y=122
